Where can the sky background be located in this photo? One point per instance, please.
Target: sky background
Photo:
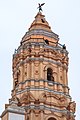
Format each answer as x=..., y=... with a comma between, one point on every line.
x=16, y=17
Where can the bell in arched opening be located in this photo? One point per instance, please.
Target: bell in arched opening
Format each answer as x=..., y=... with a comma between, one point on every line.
x=50, y=74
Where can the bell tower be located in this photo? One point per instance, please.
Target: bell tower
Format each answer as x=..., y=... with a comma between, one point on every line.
x=40, y=77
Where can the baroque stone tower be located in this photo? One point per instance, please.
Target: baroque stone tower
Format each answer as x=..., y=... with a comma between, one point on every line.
x=40, y=77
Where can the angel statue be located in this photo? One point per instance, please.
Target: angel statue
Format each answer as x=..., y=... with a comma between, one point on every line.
x=40, y=6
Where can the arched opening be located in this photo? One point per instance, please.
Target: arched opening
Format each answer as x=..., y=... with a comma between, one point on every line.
x=51, y=118
x=50, y=74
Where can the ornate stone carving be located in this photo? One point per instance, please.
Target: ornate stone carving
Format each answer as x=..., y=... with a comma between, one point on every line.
x=36, y=72
x=26, y=98
x=71, y=107
x=53, y=99
x=43, y=97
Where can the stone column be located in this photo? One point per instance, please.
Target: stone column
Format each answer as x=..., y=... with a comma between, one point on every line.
x=28, y=69
x=32, y=69
x=58, y=80
x=65, y=80
x=21, y=73
x=55, y=87
x=32, y=115
x=42, y=116
x=64, y=76
x=41, y=69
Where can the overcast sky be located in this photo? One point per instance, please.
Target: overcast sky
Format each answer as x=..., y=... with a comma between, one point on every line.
x=15, y=18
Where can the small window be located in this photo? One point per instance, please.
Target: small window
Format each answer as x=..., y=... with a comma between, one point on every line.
x=50, y=74
x=47, y=42
x=51, y=118
x=43, y=21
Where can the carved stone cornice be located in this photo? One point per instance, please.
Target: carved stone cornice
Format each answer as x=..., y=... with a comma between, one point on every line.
x=42, y=89
x=40, y=32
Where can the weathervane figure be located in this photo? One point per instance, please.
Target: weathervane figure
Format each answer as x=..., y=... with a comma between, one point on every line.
x=40, y=6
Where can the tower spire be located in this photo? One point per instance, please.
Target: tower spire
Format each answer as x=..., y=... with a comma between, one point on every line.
x=40, y=77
